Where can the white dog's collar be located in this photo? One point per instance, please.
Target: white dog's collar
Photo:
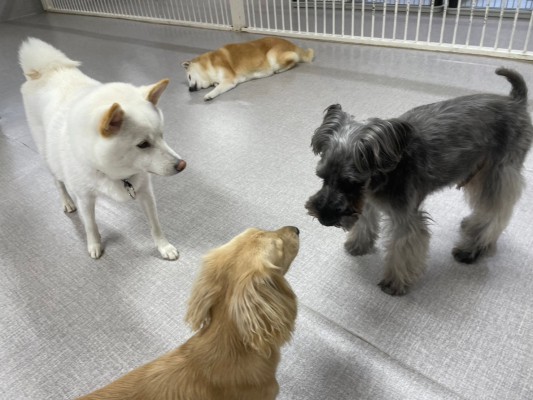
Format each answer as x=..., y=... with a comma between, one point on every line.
x=129, y=188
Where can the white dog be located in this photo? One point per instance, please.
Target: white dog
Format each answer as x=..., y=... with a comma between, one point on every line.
x=96, y=138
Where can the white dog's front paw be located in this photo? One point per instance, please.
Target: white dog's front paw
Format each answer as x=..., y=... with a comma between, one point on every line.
x=69, y=206
x=209, y=97
x=95, y=250
x=168, y=252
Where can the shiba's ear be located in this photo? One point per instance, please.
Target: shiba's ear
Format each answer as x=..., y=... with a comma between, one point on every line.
x=155, y=91
x=333, y=121
x=380, y=145
x=263, y=307
x=112, y=120
x=186, y=64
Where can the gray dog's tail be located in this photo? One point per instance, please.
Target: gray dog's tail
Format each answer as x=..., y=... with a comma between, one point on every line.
x=519, y=90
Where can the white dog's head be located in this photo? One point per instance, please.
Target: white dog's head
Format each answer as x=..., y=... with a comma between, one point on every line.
x=198, y=76
x=126, y=131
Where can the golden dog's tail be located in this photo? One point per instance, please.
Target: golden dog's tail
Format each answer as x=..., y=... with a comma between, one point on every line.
x=37, y=58
x=306, y=55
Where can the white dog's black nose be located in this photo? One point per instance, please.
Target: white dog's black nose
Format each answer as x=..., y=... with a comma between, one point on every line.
x=180, y=166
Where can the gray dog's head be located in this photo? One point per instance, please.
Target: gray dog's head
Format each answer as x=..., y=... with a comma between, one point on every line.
x=355, y=158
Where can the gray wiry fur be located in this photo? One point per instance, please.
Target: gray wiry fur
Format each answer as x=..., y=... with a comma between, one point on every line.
x=476, y=142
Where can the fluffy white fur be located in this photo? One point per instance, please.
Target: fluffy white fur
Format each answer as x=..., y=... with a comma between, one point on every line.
x=93, y=136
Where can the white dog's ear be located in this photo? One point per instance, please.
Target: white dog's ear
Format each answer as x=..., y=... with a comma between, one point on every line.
x=204, y=294
x=155, y=91
x=112, y=120
x=185, y=64
x=263, y=307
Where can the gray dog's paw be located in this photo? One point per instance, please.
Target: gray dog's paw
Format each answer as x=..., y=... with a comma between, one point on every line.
x=392, y=288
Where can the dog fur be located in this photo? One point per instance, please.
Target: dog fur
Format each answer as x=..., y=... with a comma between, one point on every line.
x=476, y=142
x=240, y=62
x=97, y=139
x=243, y=310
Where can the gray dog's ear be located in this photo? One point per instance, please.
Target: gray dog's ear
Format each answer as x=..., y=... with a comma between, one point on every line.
x=185, y=64
x=380, y=145
x=334, y=119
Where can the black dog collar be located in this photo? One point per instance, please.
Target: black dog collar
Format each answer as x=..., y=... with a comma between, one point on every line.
x=129, y=188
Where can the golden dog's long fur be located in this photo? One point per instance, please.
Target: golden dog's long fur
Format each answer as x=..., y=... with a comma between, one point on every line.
x=243, y=310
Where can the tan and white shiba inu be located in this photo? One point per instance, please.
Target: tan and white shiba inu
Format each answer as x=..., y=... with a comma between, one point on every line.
x=96, y=138
x=240, y=62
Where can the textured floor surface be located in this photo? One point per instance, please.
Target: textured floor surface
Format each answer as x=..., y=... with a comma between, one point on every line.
x=69, y=324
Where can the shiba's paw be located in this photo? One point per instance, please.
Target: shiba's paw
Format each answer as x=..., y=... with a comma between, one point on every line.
x=209, y=97
x=95, y=250
x=168, y=252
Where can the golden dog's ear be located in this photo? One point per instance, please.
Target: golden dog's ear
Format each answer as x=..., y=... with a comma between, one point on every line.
x=263, y=307
x=112, y=120
x=204, y=295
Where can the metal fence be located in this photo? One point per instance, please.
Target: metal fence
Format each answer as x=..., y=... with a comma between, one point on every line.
x=488, y=27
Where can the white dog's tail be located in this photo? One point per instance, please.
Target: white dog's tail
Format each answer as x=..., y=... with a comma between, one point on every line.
x=38, y=58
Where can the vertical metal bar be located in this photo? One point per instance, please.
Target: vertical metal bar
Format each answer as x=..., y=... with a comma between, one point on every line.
x=443, y=21
x=514, y=24
x=373, y=18
x=248, y=11
x=260, y=14
x=430, y=26
x=353, y=17
x=470, y=22
x=275, y=15
x=418, y=20
x=333, y=18
x=298, y=12
x=406, y=19
x=306, y=17
x=283, y=13
x=395, y=19
x=456, y=22
x=342, y=18
x=528, y=32
x=485, y=18
x=226, y=13
x=362, y=18
x=497, y=40
x=253, y=14
x=268, y=13
x=383, y=19
x=316, y=17
x=324, y=16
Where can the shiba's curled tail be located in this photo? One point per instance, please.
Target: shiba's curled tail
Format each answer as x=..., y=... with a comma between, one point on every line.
x=306, y=55
x=37, y=58
x=519, y=90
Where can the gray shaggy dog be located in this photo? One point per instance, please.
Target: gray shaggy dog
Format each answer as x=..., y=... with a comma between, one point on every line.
x=476, y=142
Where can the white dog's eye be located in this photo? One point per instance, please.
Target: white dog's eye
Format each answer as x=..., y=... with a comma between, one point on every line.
x=144, y=145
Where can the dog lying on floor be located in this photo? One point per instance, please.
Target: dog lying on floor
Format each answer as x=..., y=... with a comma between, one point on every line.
x=240, y=62
x=96, y=138
x=476, y=142
x=244, y=311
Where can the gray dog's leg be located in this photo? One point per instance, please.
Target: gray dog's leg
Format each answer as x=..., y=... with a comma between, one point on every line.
x=363, y=234
x=407, y=249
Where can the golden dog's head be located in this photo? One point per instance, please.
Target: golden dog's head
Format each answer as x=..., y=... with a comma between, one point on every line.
x=242, y=289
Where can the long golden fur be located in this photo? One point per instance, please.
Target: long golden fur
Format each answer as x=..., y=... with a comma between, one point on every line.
x=243, y=310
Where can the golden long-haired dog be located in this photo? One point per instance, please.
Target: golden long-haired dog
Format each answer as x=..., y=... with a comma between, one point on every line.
x=243, y=310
